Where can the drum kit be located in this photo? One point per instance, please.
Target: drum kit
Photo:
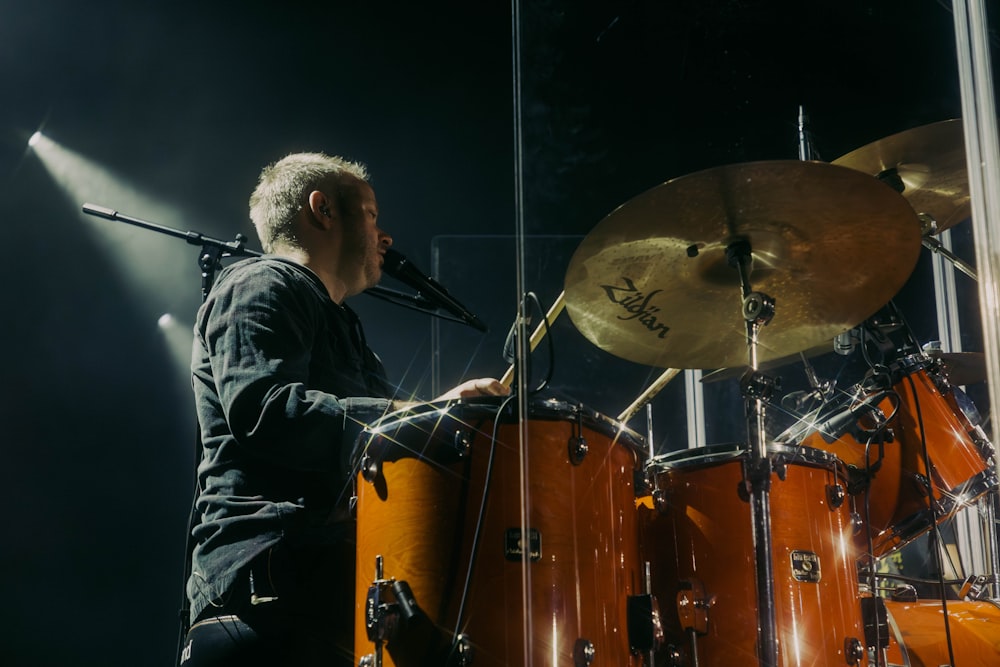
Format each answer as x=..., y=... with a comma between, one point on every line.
x=489, y=536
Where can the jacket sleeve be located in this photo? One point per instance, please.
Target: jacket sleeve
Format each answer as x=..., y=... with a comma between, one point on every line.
x=257, y=329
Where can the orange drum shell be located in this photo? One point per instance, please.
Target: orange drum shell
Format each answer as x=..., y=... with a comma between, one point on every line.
x=423, y=525
x=703, y=533
x=919, y=630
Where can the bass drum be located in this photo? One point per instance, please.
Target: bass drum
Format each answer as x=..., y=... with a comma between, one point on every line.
x=441, y=501
x=697, y=534
x=918, y=635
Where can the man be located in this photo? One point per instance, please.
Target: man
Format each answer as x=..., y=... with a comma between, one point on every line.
x=284, y=382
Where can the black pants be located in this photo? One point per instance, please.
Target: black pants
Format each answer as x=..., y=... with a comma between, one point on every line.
x=290, y=608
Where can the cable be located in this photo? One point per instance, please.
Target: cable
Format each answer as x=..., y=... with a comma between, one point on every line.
x=935, y=530
x=480, y=519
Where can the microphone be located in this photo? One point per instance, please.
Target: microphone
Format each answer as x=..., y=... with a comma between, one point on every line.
x=807, y=151
x=845, y=343
x=402, y=269
x=845, y=421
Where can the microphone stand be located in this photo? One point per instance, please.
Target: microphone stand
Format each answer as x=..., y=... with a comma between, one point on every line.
x=212, y=250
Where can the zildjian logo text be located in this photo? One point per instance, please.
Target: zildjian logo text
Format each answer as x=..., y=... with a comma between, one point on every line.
x=637, y=305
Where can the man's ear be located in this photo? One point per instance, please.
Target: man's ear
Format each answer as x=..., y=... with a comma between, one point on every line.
x=322, y=209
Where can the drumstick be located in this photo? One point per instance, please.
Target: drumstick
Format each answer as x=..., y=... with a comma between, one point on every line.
x=538, y=334
x=647, y=396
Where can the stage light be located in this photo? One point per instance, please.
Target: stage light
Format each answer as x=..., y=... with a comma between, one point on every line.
x=161, y=271
x=179, y=339
x=34, y=139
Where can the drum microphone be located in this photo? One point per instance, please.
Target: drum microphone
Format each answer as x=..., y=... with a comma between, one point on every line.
x=843, y=422
x=402, y=269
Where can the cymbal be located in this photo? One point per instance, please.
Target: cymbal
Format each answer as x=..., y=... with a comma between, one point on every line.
x=963, y=368
x=652, y=284
x=927, y=165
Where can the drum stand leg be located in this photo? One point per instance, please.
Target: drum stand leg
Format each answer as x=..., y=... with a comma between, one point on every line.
x=989, y=529
x=385, y=619
x=758, y=309
x=977, y=587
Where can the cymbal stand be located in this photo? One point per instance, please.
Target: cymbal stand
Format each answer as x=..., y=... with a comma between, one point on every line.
x=758, y=309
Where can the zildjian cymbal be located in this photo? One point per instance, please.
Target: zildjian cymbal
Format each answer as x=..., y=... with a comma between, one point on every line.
x=652, y=282
x=927, y=166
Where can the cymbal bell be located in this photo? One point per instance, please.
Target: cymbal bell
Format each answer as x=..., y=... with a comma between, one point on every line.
x=927, y=166
x=652, y=283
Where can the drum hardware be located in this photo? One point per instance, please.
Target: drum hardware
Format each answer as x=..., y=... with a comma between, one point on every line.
x=835, y=493
x=692, y=609
x=693, y=606
x=853, y=651
x=385, y=620
x=758, y=310
x=645, y=623
x=876, y=621
x=536, y=336
x=903, y=593
x=960, y=368
x=463, y=652
x=645, y=630
x=936, y=246
x=976, y=586
x=857, y=523
x=583, y=653
x=577, y=443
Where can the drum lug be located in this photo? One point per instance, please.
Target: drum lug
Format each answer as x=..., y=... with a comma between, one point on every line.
x=463, y=651
x=371, y=468
x=853, y=651
x=583, y=653
x=660, y=500
x=693, y=605
x=463, y=443
x=857, y=525
x=835, y=493
x=673, y=656
x=577, y=449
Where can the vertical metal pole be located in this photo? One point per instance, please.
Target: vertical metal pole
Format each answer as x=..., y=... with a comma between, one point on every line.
x=757, y=310
x=694, y=393
x=983, y=159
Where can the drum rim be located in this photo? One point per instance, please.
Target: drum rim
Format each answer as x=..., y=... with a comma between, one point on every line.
x=550, y=409
x=912, y=526
x=713, y=454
